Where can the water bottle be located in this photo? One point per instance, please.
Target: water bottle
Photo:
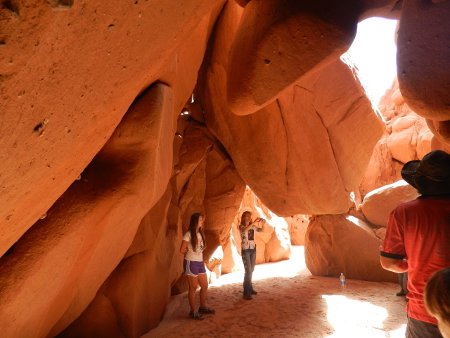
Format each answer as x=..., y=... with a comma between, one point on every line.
x=342, y=280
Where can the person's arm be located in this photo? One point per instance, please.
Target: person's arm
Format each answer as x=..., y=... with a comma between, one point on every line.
x=392, y=251
x=253, y=224
x=184, y=247
x=393, y=264
x=244, y=228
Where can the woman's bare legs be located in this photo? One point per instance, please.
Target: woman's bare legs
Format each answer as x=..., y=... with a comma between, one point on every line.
x=203, y=281
x=193, y=285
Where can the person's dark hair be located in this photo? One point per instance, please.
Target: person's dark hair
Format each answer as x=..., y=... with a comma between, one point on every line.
x=437, y=294
x=193, y=229
x=243, y=216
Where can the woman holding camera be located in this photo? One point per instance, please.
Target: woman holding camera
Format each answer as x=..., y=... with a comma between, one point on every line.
x=247, y=228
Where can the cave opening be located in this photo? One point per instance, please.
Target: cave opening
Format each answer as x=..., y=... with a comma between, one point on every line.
x=286, y=287
x=373, y=51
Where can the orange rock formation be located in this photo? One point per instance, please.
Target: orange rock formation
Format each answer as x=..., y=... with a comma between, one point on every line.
x=104, y=154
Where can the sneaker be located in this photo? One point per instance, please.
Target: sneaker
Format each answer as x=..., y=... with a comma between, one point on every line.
x=254, y=292
x=196, y=315
x=248, y=297
x=206, y=311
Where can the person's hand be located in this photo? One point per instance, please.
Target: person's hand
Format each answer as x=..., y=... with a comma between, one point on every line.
x=260, y=221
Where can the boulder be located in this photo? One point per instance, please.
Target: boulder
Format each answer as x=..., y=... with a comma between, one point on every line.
x=311, y=142
x=378, y=204
x=276, y=44
x=297, y=228
x=279, y=246
x=344, y=243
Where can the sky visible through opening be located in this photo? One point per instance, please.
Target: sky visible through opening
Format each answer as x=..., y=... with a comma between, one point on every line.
x=374, y=53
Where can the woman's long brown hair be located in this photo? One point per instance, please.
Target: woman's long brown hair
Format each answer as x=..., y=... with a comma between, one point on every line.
x=193, y=229
x=243, y=216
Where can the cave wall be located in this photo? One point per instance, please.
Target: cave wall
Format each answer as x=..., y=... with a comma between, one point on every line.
x=98, y=172
x=300, y=153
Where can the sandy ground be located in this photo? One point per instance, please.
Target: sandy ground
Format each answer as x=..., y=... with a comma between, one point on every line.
x=290, y=303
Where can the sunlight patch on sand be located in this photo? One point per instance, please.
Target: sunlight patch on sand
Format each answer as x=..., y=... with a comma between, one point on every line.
x=284, y=269
x=354, y=318
x=287, y=269
x=290, y=303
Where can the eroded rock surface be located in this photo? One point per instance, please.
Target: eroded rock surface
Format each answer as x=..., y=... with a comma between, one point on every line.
x=262, y=64
x=310, y=141
x=416, y=76
x=98, y=173
x=273, y=242
x=378, y=204
x=344, y=243
x=407, y=137
x=67, y=78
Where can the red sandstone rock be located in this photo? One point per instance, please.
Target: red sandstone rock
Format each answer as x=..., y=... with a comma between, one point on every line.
x=232, y=260
x=342, y=243
x=424, y=84
x=311, y=141
x=402, y=141
x=378, y=203
x=382, y=170
x=143, y=279
x=407, y=137
x=297, y=228
x=277, y=43
x=63, y=261
x=141, y=284
x=273, y=243
x=279, y=245
x=223, y=195
x=68, y=74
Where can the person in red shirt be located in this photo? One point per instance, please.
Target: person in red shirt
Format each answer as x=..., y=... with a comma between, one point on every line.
x=418, y=236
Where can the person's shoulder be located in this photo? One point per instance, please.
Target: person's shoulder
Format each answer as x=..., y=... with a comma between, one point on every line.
x=422, y=202
x=187, y=235
x=435, y=199
x=404, y=208
x=408, y=204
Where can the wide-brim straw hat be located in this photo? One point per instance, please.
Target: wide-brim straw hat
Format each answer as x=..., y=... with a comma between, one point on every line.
x=431, y=175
